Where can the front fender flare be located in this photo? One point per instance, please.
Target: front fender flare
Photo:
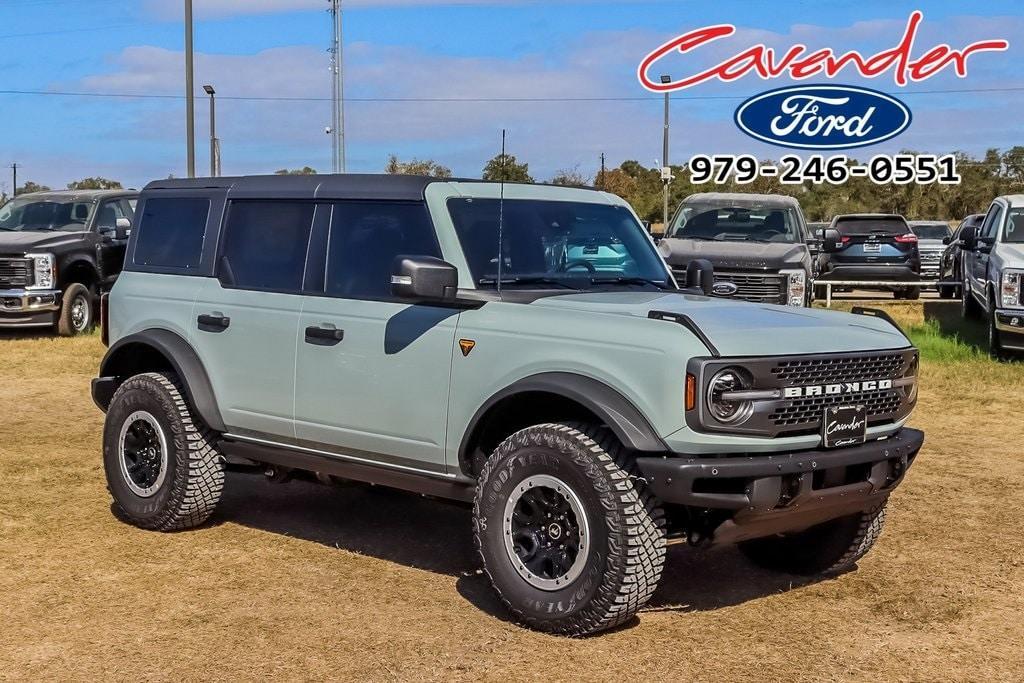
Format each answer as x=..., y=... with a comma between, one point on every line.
x=123, y=360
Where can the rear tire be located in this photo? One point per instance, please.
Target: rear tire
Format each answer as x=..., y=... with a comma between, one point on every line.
x=828, y=548
x=163, y=469
x=76, y=311
x=912, y=293
x=569, y=538
x=946, y=291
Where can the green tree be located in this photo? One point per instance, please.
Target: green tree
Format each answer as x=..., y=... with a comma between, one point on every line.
x=305, y=170
x=570, y=177
x=30, y=186
x=94, y=183
x=506, y=167
x=424, y=167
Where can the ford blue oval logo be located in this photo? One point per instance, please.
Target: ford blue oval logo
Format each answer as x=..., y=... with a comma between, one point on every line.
x=724, y=288
x=823, y=117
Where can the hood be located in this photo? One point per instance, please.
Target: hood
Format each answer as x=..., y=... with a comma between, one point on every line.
x=739, y=328
x=725, y=255
x=24, y=242
x=1012, y=254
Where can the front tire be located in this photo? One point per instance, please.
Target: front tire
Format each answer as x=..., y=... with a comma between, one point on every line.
x=163, y=469
x=76, y=311
x=828, y=548
x=570, y=540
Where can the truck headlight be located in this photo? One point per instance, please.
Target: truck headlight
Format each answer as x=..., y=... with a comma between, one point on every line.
x=44, y=269
x=729, y=411
x=1010, y=289
x=796, y=286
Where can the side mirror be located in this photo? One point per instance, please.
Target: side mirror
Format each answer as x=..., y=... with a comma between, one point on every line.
x=831, y=240
x=424, y=277
x=947, y=240
x=969, y=238
x=647, y=226
x=122, y=229
x=700, y=275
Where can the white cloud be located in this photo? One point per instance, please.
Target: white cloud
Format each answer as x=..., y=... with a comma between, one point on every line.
x=173, y=9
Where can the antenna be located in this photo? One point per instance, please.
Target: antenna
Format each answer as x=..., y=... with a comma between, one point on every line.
x=501, y=211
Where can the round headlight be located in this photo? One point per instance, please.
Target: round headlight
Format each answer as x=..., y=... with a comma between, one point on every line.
x=723, y=410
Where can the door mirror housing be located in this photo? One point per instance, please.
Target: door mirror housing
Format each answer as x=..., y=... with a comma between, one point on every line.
x=424, y=277
x=700, y=276
x=122, y=229
x=831, y=240
x=947, y=240
x=969, y=238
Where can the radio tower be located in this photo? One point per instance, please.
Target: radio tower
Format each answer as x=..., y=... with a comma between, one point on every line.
x=337, y=91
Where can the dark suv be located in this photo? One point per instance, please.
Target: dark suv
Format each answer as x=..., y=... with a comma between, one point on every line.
x=57, y=251
x=874, y=249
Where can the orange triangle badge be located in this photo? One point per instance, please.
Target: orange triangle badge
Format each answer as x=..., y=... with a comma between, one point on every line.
x=466, y=345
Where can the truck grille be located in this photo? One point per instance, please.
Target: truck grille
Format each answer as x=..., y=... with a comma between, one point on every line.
x=15, y=272
x=806, y=412
x=763, y=288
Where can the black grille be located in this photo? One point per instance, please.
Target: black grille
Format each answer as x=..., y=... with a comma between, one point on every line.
x=808, y=411
x=833, y=370
x=15, y=272
x=765, y=288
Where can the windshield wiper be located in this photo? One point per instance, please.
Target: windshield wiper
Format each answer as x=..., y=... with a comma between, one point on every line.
x=526, y=280
x=626, y=280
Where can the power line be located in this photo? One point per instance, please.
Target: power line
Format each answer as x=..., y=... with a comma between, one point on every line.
x=72, y=30
x=635, y=98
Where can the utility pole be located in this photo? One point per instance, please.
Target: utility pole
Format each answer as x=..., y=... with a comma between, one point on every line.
x=190, y=104
x=337, y=90
x=14, y=169
x=666, y=169
x=601, y=185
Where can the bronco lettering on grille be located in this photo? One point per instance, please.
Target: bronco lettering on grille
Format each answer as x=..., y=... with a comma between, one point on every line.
x=836, y=389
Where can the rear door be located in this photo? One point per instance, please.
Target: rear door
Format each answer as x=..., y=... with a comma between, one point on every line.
x=372, y=371
x=875, y=240
x=246, y=318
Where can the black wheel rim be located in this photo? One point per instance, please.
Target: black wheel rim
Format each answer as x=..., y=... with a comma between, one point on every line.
x=546, y=531
x=142, y=449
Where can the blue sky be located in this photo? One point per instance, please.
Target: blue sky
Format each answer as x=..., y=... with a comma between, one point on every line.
x=444, y=49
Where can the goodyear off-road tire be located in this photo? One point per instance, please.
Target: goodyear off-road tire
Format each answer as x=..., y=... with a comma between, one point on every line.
x=77, y=310
x=620, y=559
x=163, y=469
x=828, y=548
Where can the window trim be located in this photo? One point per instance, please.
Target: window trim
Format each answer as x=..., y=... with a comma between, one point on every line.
x=390, y=298
x=222, y=243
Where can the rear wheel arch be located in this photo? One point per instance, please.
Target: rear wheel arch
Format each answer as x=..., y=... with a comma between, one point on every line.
x=553, y=397
x=162, y=351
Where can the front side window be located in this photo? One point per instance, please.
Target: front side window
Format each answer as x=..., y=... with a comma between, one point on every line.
x=365, y=239
x=992, y=221
x=1014, y=226
x=33, y=214
x=576, y=244
x=171, y=232
x=109, y=212
x=265, y=245
x=748, y=223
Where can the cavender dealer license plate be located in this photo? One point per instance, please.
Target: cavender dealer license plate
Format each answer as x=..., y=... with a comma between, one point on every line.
x=844, y=426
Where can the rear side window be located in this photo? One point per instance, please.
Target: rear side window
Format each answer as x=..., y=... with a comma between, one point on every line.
x=872, y=226
x=365, y=239
x=171, y=232
x=265, y=245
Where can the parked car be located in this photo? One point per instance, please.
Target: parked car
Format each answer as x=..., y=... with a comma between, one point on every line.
x=480, y=342
x=950, y=265
x=993, y=264
x=875, y=248
x=757, y=244
x=58, y=250
x=814, y=243
x=932, y=238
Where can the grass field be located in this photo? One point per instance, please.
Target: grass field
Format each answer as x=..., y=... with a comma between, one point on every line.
x=301, y=581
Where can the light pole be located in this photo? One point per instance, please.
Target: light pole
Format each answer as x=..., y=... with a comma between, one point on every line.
x=214, y=142
x=666, y=170
x=14, y=170
x=190, y=105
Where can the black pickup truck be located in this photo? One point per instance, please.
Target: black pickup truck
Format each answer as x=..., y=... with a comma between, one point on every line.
x=58, y=251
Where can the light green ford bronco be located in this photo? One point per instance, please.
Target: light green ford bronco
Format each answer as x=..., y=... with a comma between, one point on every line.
x=522, y=348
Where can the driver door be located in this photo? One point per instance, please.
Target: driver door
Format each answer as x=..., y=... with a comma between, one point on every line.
x=977, y=260
x=109, y=249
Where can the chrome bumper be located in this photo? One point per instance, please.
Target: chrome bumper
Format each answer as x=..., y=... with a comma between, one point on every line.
x=1011, y=321
x=29, y=300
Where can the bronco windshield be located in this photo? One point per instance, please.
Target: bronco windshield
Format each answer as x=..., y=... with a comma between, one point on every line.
x=722, y=222
x=1014, y=227
x=34, y=213
x=575, y=245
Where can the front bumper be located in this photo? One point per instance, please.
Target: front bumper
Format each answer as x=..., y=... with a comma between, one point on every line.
x=1010, y=324
x=770, y=494
x=28, y=307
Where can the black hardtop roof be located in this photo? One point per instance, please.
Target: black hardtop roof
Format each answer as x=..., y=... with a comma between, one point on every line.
x=325, y=186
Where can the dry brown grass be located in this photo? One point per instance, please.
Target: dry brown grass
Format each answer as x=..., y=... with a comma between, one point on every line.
x=300, y=581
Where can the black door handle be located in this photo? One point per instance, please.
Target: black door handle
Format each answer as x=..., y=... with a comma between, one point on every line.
x=213, y=323
x=324, y=336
